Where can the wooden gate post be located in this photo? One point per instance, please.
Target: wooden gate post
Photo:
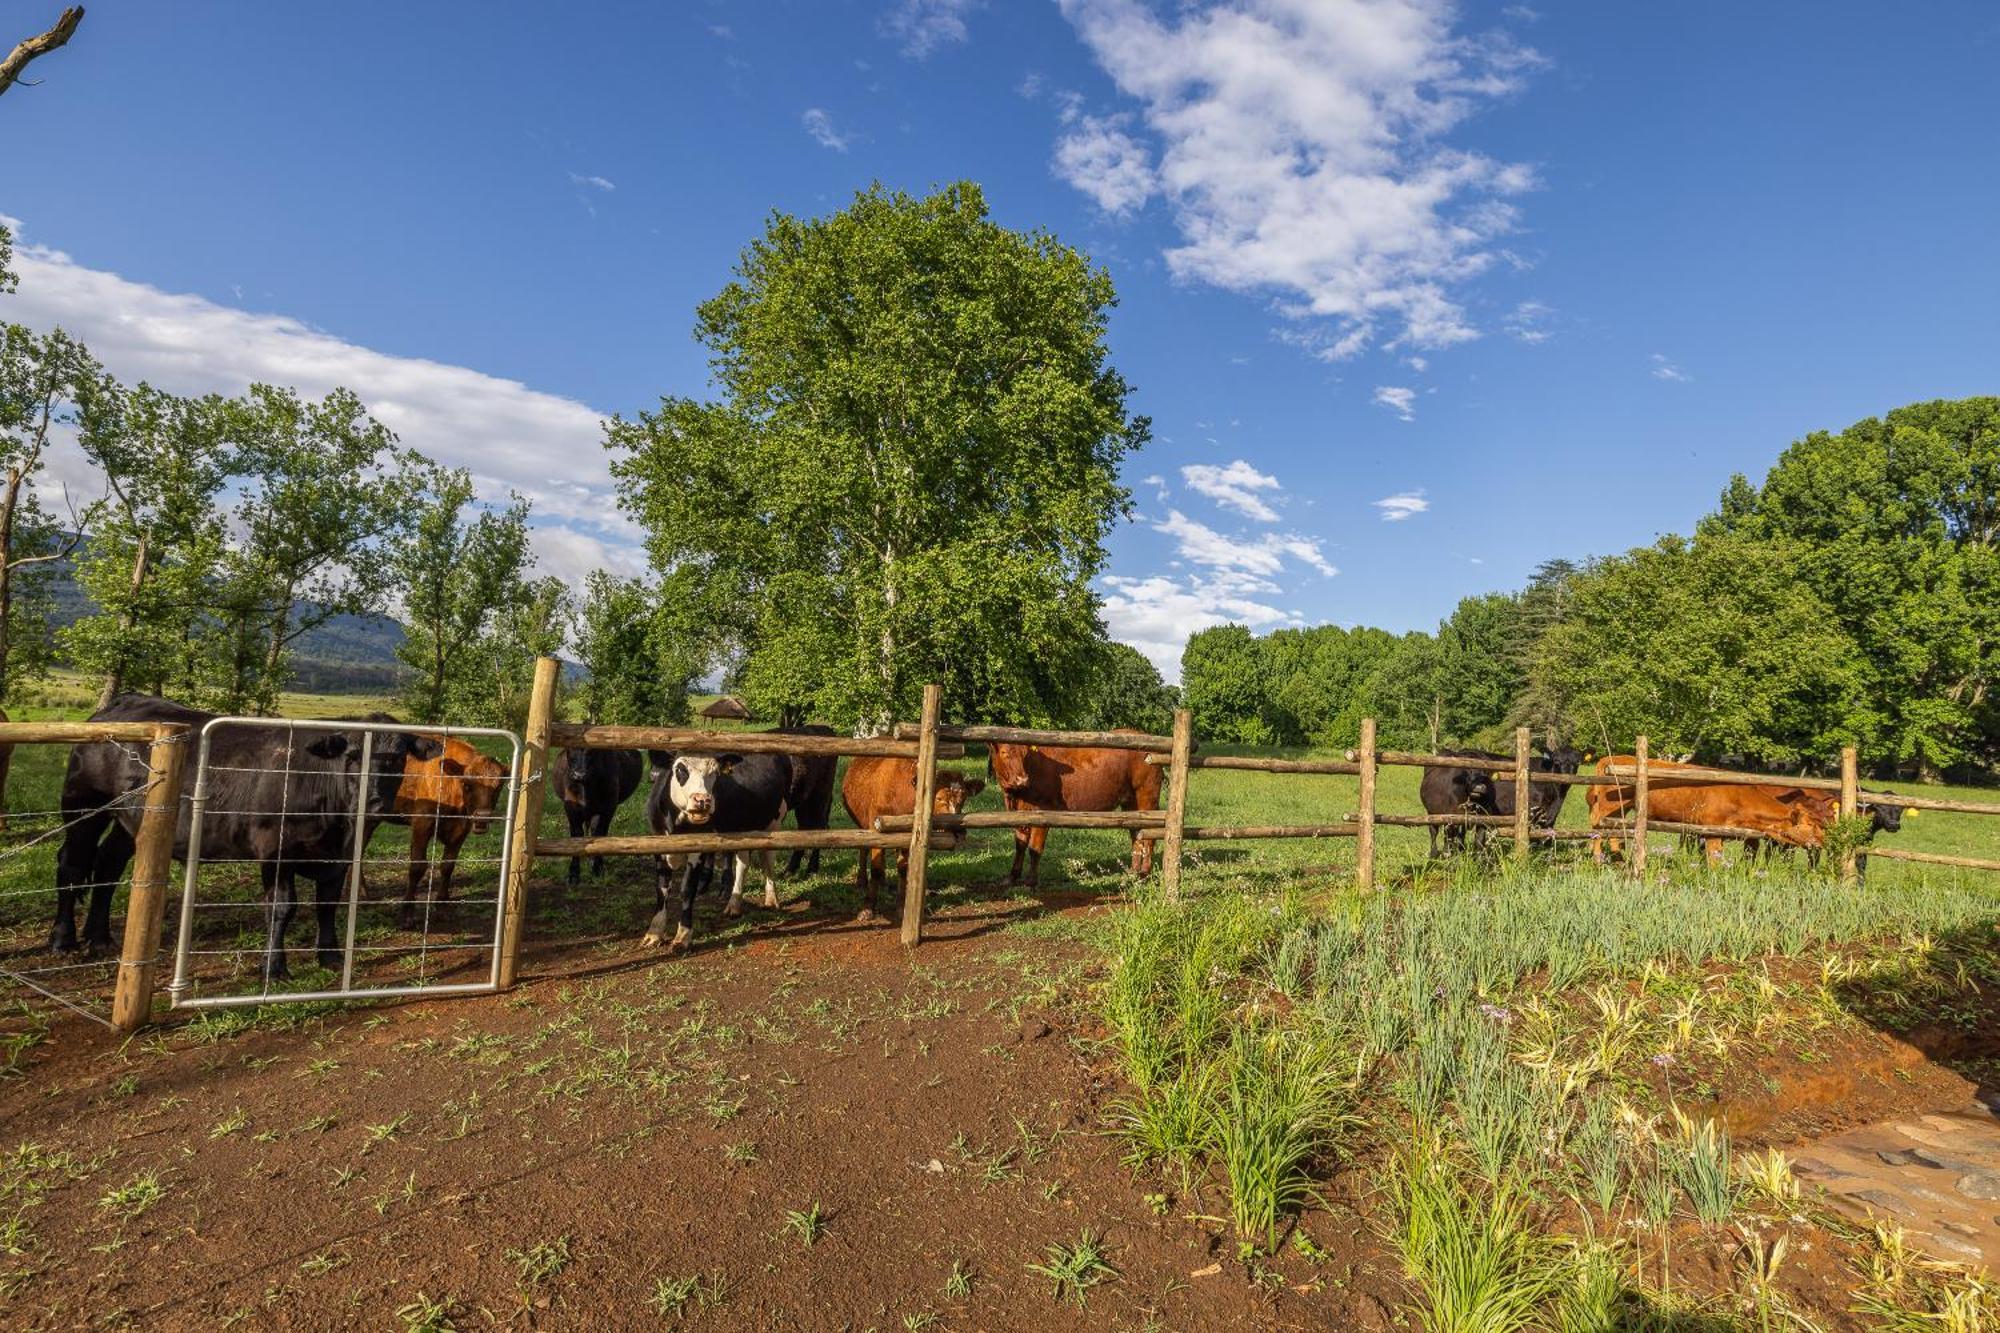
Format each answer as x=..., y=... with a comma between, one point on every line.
x=1641, y=792
x=1177, y=784
x=152, y=862
x=918, y=873
x=527, y=826
x=1850, y=805
x=1364, y=832
x=1521, y=793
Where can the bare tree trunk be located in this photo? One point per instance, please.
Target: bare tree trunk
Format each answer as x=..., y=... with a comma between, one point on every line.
x=15, y=477
x=35, y=47
x=114, y=676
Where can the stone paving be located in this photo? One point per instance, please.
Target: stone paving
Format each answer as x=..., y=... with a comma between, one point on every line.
x=1936, y=1176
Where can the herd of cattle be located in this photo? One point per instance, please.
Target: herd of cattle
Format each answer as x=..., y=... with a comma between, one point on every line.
x=1771, y=818
x=286, y=800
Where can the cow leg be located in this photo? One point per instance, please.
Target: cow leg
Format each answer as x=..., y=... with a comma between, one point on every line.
x=449, y=843
x=575, y=831
x=328, y=885
x=106, y=869
x=76, y=863
x=603, y=827
x=419, y=877
x=1038, y=838
x=864, y=882
x=734, y=907
x=696, y=880
x=663, y=879
x=279, y=895
x=768, y=861
x=1712, y=851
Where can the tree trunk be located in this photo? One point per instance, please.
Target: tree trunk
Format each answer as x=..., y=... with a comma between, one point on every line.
x=114, y=676
x=274, y=653
x=7, y=506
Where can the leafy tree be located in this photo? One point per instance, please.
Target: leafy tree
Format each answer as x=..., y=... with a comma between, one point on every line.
x=1130, y=693
x=456, y=574
x=1482, y=664
x=910, y=470
x=501, y=674
x=1716, y=647
x=151, y=556
x=1897, y=520
x=1404, y=694
x=48, y=383
x=326, y=493
x=635, y=672
x=1224, y=688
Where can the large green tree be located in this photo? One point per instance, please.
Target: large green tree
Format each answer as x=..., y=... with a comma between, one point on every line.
x=1225, y=687
x=635, y=672
x=1898, y=522
x=456, y=572
x=910, y=468
x=1716, y=647
x=152, y=554
x=1130, y=693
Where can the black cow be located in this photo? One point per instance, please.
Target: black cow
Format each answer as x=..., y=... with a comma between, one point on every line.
x=1455, y=791
x=1480, y=794
x=811, y=797
x=592, y=785
x=725, y=793
x=284, y=799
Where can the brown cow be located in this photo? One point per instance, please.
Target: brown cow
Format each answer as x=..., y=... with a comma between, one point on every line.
x=875, y=787
x=1052, y=777
x=1754, y=809
x=450, y=798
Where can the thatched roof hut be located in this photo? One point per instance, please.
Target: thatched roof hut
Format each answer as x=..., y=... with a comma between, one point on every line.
x=727, y=707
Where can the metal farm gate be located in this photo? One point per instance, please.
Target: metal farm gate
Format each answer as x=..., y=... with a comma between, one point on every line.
x=222, y=957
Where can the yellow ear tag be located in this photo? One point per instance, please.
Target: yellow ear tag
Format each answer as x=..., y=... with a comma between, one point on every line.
x=1911, y=814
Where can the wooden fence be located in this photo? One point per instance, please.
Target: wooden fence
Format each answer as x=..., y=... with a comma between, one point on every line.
x=153, y=847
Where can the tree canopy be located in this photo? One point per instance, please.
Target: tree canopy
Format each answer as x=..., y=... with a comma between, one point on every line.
x=909, y=469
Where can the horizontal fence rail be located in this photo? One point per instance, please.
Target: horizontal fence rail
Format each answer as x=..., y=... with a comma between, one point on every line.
x=689, y=740
x=1061, y=740
x=694, y=844
x=1103, y=819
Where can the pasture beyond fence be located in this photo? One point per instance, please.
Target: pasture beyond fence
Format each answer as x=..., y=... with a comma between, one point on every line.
x=924, y=743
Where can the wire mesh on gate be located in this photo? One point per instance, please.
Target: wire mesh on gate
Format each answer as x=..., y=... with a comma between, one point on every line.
x=36, y=981
x=280, y=902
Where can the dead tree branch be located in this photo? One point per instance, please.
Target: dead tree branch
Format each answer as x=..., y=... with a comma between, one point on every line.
x=35, y=47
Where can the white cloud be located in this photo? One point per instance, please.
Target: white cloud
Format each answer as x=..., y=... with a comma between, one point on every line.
x=820, y=126
x=1233, y=487
x=1259, y=559
x=1396, y=508
x=509, y=436
x=1400, y=401
x=923, y=26
x=1528, y=322
x=1157, y=614
x=594, y=182
x=1099, y=158
x=1301, y=147
x=1663, y=369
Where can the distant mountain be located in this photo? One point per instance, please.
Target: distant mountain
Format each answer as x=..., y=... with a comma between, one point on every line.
x=346, y=655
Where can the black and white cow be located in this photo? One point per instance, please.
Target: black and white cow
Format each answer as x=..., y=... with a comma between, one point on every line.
x=284, y=799
x=722, y=793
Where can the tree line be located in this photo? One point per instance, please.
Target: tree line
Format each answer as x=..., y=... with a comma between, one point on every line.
x=1853, y=598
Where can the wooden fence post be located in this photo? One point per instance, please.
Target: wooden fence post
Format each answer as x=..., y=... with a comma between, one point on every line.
x=1640, y=801
x=152, y=863
x=918, y=873
x=1521, y=793
x=1177, y=784
x=527, y=827
x=1850, y=804
x=1364, y=833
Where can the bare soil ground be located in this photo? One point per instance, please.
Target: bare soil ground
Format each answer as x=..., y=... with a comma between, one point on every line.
x=800, y=1126
x=642, y=1122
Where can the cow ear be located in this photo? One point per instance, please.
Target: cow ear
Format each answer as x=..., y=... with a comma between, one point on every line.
x=728, y=761
x=426, y=747
x=331, y=745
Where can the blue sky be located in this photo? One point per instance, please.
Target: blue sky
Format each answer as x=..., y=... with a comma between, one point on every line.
x=1419, y=294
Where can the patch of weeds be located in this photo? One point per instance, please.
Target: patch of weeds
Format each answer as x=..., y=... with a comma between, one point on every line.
x=672, y=1295
x=384, y=1133
x=135, y=1196
x=808, y=1224
x=232, y=1123
x=1476, y=1262
x=1075, y=1269
x=959, y=1285
x=740, y=1154
x=428, y=1315
x=541, y=1261
x=319, y=1265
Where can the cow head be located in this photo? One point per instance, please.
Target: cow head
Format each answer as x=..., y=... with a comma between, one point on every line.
x=692, y=783
x=484, y=778
x=572, y=772
x=1883, y=818
x=953, y=792
x=1563, y=759
x=1009, y=766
